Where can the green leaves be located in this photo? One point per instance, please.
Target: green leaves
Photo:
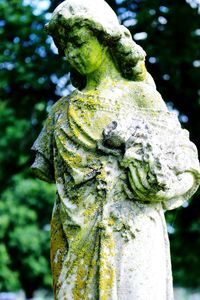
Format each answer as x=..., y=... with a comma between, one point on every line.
x=26, y=91
x=9, y=279
x=25, y=210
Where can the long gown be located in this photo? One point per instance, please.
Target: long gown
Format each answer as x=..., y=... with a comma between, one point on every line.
x=105, y=243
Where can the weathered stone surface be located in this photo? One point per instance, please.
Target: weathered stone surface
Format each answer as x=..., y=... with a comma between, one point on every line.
x=118, y=158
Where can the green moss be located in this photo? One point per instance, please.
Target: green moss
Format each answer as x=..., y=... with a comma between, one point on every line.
x=107, y=271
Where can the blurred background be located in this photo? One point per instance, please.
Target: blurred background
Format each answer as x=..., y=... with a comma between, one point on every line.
x=32, y=78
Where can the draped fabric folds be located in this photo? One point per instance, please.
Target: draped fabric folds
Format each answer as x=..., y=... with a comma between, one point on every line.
x=105, y=243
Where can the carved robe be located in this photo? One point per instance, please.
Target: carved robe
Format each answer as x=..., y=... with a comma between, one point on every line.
x=105, y=243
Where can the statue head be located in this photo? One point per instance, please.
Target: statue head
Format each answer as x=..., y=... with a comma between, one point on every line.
x=98, y=17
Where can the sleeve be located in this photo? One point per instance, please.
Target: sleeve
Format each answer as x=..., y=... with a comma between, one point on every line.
x=186, y=168
x=162, y=164
x=43, y=147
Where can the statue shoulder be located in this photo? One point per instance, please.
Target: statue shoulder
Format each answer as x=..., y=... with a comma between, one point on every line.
x=61, y=104
x=145, y=96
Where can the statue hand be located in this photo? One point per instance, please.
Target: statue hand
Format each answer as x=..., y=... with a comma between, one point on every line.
x=182, y=185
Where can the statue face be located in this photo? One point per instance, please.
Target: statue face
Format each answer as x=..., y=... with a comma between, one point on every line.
x=83, y=51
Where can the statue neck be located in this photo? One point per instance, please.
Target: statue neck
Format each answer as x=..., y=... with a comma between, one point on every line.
x=104, y=76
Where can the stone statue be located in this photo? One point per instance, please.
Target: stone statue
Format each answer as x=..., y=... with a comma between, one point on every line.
x=119, y=159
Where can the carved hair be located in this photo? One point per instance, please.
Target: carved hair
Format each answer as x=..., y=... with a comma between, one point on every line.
x=102, y=21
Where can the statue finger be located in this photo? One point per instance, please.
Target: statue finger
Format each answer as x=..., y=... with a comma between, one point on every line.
x=142, y=175
x=138, y=194
x=137, y=181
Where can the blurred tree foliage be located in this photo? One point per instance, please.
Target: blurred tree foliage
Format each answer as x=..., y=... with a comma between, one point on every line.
x=27, y=81
x=33, y=77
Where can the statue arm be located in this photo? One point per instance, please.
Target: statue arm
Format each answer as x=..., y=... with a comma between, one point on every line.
x=187, y=170
x=158, y=175
x=171, y=195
